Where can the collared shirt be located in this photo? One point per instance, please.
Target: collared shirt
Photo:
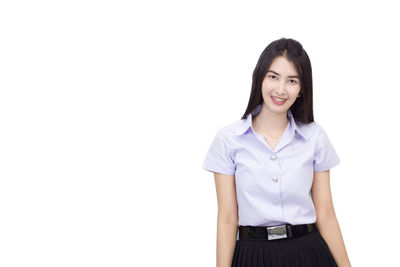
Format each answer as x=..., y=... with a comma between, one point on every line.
x=273, y=186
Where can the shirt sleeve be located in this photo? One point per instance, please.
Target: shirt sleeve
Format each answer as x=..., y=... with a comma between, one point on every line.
x=218, y=158
x=325, y=154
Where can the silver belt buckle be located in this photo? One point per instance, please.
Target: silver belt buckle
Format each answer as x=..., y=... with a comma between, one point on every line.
x=276, y=232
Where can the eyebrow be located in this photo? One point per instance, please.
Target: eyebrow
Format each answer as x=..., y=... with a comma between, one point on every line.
x=292, y=76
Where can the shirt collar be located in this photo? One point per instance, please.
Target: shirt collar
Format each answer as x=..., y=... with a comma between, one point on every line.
x=247, y=123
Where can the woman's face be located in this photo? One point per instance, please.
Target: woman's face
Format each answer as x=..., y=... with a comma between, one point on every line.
x=283, y=81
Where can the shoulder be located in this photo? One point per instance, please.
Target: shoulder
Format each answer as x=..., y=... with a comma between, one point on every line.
x=229, y=130
x=311, y=130
x=318, y=129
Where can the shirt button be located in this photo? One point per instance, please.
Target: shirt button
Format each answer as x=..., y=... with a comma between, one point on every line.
x=276, y=201
x=275, y=179
x=273, y=157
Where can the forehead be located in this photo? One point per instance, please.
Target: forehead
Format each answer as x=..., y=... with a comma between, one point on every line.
x=283, y=66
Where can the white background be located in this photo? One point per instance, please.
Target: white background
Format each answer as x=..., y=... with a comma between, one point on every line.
x=107, y=109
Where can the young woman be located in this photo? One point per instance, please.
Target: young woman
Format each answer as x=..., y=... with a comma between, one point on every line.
x=271, y=171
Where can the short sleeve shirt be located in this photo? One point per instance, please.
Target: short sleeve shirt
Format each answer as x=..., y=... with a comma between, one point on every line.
x=272, y=186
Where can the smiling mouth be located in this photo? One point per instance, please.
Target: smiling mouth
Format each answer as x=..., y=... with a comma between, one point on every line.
x=279, y=100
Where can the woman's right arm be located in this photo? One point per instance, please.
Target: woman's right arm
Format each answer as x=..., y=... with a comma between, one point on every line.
x=227, y=222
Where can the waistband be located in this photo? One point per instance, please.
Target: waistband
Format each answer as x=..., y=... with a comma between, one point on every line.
x=275, y=231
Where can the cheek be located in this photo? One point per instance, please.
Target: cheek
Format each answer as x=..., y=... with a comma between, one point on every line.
x=295, y=91
x=266, y=88
x=266, y=84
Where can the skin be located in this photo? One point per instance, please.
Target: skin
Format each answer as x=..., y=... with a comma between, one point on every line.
x=281, y=80
x=271, y=122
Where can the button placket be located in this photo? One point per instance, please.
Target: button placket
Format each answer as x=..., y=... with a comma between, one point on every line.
x=275, y=180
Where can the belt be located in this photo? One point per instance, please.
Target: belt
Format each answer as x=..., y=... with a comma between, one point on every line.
x=275, y=232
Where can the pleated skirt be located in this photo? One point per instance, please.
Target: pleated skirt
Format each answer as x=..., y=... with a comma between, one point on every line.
x=309, y=250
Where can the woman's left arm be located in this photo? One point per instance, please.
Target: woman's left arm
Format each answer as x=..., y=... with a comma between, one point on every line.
x=327, y=223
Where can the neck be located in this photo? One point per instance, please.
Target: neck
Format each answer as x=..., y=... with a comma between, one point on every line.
x=271, y=122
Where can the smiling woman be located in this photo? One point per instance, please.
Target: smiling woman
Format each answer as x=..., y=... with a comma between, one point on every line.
x=271, y=170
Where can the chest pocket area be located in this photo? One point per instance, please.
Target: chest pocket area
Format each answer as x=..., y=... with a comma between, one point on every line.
x=253, y=174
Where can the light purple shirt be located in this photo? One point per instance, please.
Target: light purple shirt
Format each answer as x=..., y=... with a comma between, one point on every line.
x=272, y=186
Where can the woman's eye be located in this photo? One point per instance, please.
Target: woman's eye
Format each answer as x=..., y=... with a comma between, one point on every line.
x=272, y=76
x=293, y=81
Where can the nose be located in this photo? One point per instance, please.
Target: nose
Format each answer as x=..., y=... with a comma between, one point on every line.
x=281, y=88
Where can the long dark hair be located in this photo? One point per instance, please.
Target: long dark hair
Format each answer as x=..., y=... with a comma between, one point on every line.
x=302, y=108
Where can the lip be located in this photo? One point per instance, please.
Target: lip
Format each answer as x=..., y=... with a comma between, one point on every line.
x=278, y=97
x=278, y=103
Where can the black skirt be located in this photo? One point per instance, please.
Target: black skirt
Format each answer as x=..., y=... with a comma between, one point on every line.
x=309, y=250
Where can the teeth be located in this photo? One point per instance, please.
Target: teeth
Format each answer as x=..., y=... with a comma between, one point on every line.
x=279, y=99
